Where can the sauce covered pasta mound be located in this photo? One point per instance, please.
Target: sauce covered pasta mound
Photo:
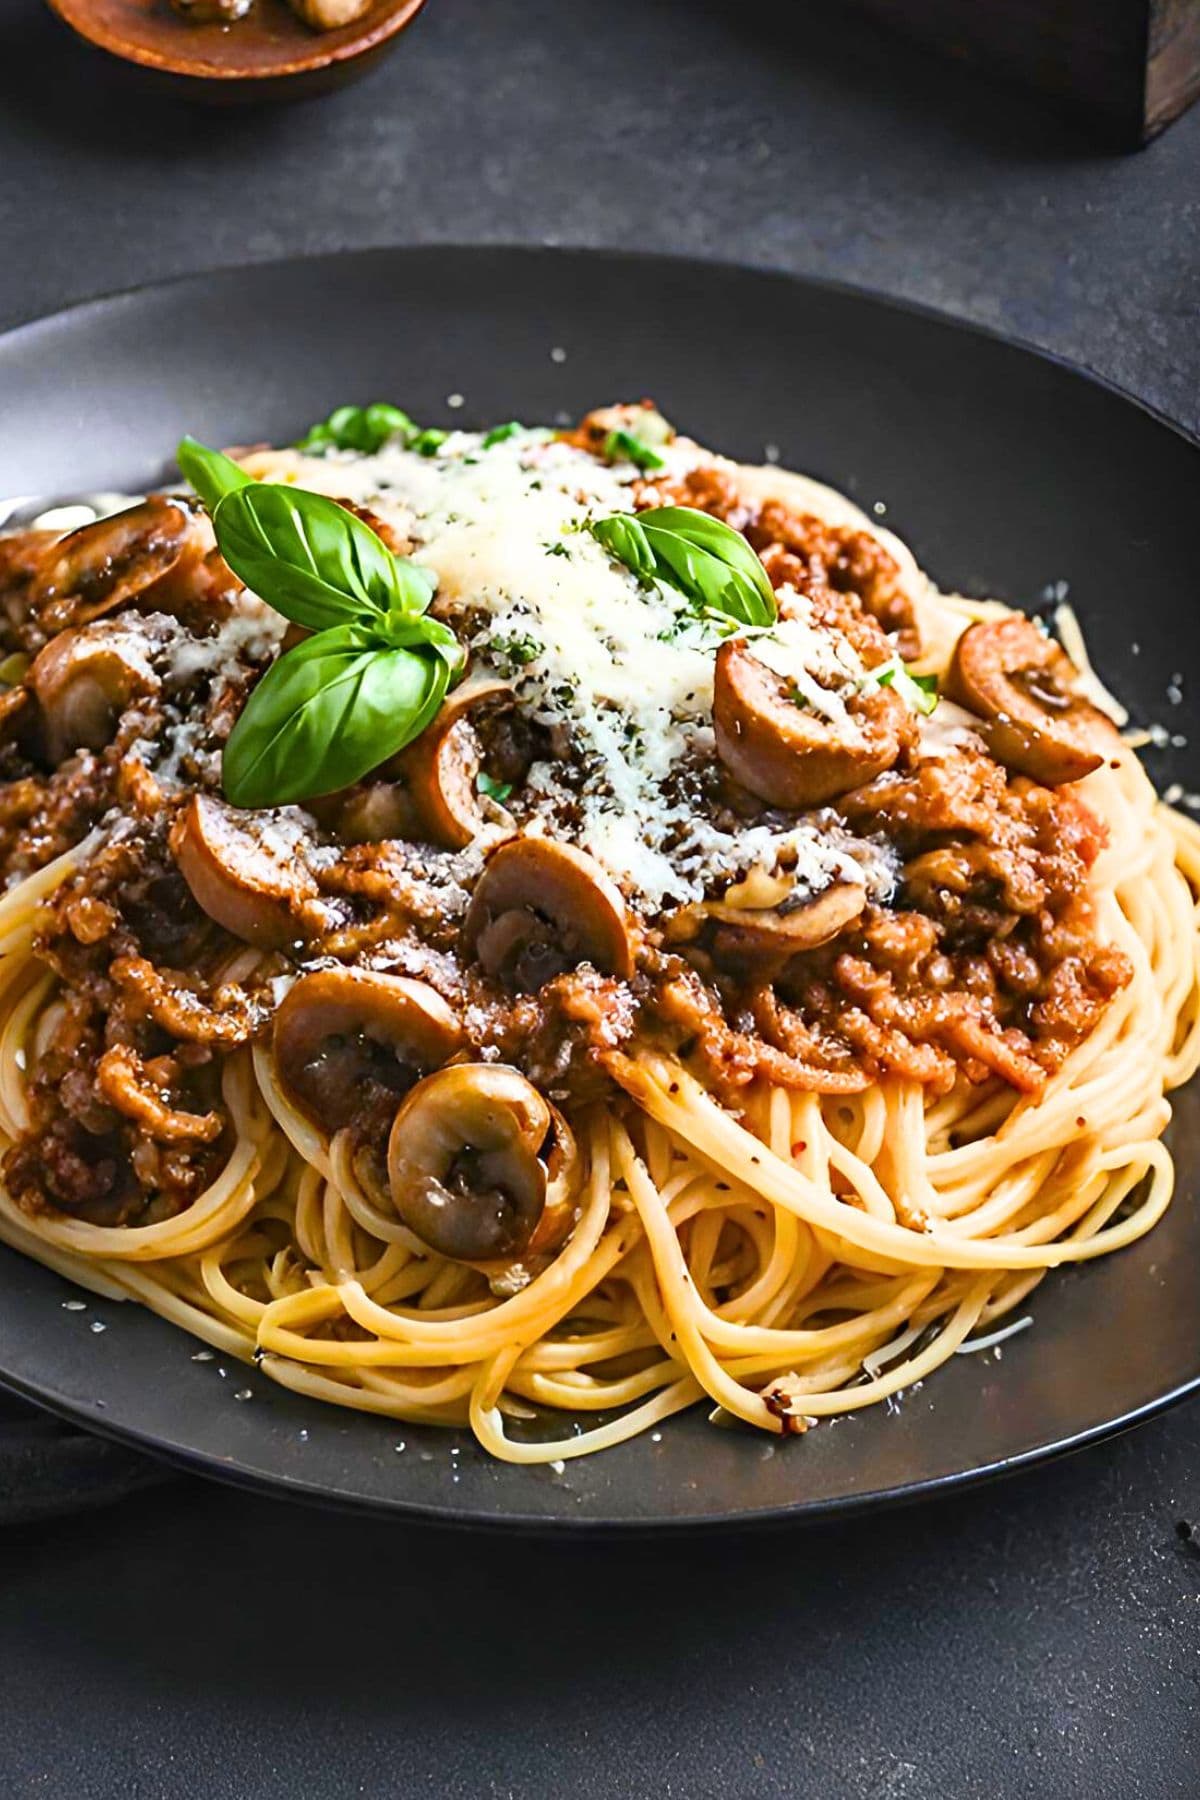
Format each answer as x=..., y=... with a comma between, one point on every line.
x=540, y=928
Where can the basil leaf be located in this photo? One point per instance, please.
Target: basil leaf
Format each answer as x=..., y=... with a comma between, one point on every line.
x=382, y=421
x=311, y=559
x=710, y=537
x=364, y=428
x=702, y=557
x=429, y=442
x=625, y=446
x=500, y=433
x=623, y=537
x=212, y=474
x=516, y=651
x=415, y=585
x=405, y=630
x=326, y=714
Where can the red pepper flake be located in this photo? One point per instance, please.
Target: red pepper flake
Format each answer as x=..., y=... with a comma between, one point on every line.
x=799, y=1147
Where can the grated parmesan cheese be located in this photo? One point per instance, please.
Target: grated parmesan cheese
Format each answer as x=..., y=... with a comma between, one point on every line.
x=621, y=672
x=252, y=633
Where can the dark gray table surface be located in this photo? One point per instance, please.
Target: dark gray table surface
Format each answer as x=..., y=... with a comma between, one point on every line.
x=1037, y=1639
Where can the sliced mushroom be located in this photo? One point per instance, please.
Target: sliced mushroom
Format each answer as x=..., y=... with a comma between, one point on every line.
x=540, y=908
x=440, y=767
x=1025, y=688
x=147, y=555
x=22, y=554
x=788, y=756
x=776, y=934
x=242, y=873
x=83, y=681
x=339, y=1030
x=481, y=1167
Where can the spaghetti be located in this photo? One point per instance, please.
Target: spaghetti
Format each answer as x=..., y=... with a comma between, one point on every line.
x=786, y=1224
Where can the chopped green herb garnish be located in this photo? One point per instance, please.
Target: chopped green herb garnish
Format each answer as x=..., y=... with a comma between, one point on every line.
x=557, y=549
x=523, y=649
x=363, y=428
x=494, y=790
x=500, y=433
x=918, y=691
x=624, y=446
x=704, y=629
x=429, y=442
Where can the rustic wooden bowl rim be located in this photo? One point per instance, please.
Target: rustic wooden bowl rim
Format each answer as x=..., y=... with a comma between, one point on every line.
x=325, y=50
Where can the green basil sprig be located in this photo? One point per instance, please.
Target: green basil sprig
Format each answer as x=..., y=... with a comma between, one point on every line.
x=345, y=700
x=500, y=434
x=314, y=561
x=326, y=714
x=364, y=428
x=702, y=557
x=211, y=472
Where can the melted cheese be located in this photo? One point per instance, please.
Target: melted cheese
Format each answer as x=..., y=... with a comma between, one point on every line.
x=620, y=674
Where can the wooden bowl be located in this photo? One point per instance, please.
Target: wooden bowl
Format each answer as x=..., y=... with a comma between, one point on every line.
x=267, y=55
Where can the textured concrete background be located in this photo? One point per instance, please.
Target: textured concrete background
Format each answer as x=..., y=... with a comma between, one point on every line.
x=747, y=129
x=1038, y=1639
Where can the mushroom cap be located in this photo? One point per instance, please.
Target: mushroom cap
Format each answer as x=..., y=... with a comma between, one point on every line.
x=240, y=873
x=22, y=555
x=440, y=766
x=83, y=681
x=1024, y=687
x=541, y=907
x=129, y=557
x=332, y=1023
x=481, y=1167
x=768, y=937
x=787, y=756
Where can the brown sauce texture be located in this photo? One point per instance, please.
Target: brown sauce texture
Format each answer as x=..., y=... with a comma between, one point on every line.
x=985, y=966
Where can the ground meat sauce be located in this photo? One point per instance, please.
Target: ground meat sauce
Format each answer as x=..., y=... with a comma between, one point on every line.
x=985, y=964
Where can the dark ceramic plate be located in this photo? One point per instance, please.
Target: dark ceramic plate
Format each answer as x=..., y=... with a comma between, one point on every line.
x=1007, y=473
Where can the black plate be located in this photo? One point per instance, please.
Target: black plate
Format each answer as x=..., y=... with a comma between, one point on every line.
x=1006, y=471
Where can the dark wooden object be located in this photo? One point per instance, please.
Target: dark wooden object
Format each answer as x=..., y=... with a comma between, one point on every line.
x=1129, y=66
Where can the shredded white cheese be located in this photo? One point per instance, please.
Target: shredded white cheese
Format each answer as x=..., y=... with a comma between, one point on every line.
x=251, y=633
x=619, y=673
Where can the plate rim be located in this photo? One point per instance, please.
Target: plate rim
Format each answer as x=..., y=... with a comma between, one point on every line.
x=802, y=1511
x=828, y=284
x=404, y=1510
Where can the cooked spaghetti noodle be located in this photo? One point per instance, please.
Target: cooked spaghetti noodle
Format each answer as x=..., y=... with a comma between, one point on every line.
x=801, y=1174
